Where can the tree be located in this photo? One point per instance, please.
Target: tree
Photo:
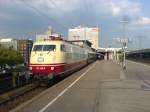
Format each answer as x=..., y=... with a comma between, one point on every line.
x=2, y=56
x=10, y=57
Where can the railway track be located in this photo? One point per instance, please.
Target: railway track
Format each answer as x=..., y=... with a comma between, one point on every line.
x=141, y=60
x=14, y=98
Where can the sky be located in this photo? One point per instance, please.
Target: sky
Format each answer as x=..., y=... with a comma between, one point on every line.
x=25, y=18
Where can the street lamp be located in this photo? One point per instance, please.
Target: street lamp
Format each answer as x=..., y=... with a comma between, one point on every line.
x=124, y=40
x=124, y=46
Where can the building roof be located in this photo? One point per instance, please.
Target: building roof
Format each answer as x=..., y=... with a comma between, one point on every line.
x=6, y=40
x=109, y=49
x=87, y=42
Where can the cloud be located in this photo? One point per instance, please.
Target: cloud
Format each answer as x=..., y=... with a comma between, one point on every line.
x=3, y=2
x=50, y=8
x=145, y=21
x=61, y=8
x=118, y=7
x=115, y=10
x=53, y=7
x=34, y=15
x=5, y=16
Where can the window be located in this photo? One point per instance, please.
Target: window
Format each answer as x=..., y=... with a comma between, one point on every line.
x=49, y=47
x=44, y=48
x=63, y=48
x=37, y=48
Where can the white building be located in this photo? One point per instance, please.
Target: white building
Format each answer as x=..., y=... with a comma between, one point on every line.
x=85, y=33
x=8, y=43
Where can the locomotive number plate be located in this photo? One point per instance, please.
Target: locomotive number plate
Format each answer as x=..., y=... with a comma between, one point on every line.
x=40, y=59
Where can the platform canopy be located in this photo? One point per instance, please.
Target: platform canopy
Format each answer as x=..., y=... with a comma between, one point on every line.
x=109, y=49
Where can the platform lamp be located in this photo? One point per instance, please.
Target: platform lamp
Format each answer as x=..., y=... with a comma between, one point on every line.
x=124, y=40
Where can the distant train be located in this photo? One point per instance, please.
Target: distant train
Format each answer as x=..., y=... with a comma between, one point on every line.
x=57, y=58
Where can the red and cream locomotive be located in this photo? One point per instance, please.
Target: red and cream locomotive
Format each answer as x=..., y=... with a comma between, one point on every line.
x=56, y=58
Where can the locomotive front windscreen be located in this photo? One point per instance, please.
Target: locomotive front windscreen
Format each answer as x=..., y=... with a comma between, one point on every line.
x=37, y=48
x=44, y=48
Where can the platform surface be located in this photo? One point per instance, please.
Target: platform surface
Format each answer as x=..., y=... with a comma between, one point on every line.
x=100, y=87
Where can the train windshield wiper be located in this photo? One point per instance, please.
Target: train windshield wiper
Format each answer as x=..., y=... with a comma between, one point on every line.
x=48, y=52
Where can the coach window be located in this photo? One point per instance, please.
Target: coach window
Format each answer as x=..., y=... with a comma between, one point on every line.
x=63, y=48
x=49, y=48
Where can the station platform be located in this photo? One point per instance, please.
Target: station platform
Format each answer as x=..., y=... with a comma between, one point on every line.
x=100, y=87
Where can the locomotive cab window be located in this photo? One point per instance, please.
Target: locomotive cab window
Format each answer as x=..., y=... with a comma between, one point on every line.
x=49, y=48
x=63, y=48
x=37, y=48
x=44, y=48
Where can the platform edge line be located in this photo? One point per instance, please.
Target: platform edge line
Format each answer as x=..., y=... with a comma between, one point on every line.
x=66, y=89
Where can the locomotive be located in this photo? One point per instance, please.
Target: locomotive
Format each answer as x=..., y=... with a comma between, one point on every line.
x=57, y=58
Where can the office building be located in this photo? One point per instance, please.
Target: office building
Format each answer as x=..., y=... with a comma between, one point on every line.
x=24, y=47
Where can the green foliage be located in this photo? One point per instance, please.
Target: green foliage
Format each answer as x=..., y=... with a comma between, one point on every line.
x=10, y=57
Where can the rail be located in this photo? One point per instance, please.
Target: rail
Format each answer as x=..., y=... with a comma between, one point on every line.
x=6, y=97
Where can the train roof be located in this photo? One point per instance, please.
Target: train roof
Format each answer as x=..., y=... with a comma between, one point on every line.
x=48, y=42
x=59, y=40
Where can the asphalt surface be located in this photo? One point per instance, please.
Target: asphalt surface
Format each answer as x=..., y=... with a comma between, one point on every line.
x=101, y=87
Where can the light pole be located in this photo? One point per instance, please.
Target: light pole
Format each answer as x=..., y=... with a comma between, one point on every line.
x=85, y=33
x=124, y=40
x=124, y=55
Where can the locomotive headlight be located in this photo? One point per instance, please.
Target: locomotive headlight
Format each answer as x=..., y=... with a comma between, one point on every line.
x=52, y=68
x=40, y=59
